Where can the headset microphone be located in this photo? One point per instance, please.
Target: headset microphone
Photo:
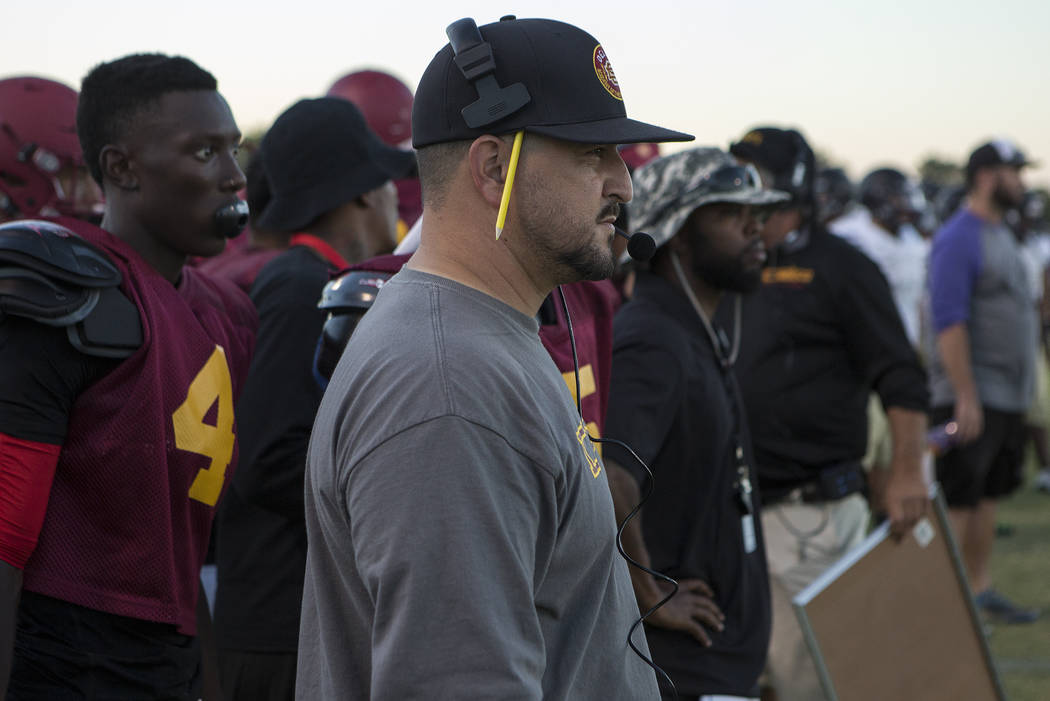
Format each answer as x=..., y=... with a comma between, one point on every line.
x=640, y=245
x=232, y=218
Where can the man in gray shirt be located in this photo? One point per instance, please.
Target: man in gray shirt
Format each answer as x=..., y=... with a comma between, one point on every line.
x=461, y=530
x=982, y=361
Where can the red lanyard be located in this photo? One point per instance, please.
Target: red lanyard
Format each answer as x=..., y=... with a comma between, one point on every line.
x=322, y=247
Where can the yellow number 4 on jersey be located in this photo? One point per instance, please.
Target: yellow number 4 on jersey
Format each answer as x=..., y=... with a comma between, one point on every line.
x=212, y=384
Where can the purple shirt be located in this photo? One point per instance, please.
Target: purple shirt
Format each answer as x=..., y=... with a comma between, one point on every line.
x=955, y=263
x=978, y=278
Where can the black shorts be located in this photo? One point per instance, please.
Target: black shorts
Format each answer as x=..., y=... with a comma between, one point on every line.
x=65, y=652
x=990, y=467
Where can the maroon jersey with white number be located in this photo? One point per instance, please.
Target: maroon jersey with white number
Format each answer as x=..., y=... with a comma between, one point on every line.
x=149, y=451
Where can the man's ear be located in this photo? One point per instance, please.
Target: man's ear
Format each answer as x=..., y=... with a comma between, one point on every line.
x=117, y=169
x=488, y=159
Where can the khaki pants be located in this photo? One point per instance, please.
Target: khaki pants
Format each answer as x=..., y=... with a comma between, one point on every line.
x=880, y=443
x=1039, y=413
x=803, y=540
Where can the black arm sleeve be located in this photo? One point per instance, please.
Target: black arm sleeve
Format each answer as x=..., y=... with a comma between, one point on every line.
x=644, y=393
x=41, y=374
x=875, y=336
x=276, y=410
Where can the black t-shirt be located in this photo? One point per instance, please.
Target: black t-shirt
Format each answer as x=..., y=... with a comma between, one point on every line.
x=261, y=532
x=41, y=375
x=672, y=403
x=819, y=336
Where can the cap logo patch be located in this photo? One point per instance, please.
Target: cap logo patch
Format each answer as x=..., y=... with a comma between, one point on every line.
x=603, y=69
x=753, y=137
x=1005, y=149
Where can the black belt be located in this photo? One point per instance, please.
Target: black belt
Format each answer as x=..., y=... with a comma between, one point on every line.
x=831, y=483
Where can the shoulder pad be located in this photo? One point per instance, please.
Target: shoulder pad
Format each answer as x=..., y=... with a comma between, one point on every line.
x=51, y=275
x=57, y=253
x=28, y=293
x=111, y=330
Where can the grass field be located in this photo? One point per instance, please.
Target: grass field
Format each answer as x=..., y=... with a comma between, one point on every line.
x=1021, y=570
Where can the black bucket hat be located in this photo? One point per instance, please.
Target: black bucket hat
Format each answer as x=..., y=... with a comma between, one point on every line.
x=319, y=154
x=557, y=79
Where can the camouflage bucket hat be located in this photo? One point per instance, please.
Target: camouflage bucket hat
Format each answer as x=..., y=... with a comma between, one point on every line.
x=667, y=190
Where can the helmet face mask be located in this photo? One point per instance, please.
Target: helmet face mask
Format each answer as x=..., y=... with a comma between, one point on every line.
x=42, y=170
x=892, y=198
x=833, y=193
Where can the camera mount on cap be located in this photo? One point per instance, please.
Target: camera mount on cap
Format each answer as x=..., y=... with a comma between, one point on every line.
x=473, y=57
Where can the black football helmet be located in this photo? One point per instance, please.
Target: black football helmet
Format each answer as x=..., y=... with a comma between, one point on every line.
x=784, y=155
x=346, y=299
x=893, y=198
x=834, y=193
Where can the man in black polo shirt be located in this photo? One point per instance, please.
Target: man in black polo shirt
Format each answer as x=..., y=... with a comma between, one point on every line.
x=821, y=334
x=674, y=399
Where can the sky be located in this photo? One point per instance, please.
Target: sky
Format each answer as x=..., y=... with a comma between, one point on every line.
x=870, y=84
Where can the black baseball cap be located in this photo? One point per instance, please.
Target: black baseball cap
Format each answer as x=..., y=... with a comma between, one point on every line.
x=572, y=92
x=999, y=152
x=784, y=153
x=320, y=154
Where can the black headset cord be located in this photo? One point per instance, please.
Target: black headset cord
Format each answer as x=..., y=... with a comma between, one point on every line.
x=634, y=512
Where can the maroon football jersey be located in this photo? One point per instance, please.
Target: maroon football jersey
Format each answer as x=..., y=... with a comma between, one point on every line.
x=591, y=306
x=409, y=201
x=241, y=264
x=149, y=451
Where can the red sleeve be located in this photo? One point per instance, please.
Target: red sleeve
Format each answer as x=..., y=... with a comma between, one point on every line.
x=27, y=469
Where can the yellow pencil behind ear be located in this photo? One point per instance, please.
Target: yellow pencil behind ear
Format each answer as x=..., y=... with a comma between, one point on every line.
x=512, y=168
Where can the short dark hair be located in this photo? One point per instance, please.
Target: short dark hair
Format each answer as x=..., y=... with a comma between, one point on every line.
x=437, y=163
x=114, y=93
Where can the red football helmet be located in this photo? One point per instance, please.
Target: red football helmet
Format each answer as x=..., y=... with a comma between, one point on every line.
x=386, y=103
x=384, y=100
x=41, y=165
x=637, y=155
